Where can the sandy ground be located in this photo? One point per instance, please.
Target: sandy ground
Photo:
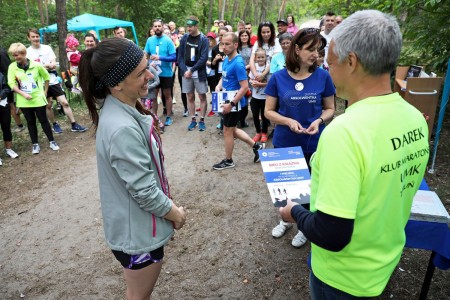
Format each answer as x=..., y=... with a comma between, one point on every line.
x=52, y=244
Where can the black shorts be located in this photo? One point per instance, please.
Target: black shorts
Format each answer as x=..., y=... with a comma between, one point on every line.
x=54, y=91
x=165, y=82
x=139, y=261
x=231, y=119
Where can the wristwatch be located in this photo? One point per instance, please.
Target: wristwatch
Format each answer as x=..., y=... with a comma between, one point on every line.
x=232, y=104
x=321, y=120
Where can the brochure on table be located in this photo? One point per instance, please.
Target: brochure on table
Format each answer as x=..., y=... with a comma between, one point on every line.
x=221, y=98
x=286, y=174
x=428, y=207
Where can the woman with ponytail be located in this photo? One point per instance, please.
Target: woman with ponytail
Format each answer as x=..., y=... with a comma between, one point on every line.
x=139, y=215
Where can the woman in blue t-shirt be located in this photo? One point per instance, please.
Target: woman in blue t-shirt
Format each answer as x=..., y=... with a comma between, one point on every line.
x=305, y=95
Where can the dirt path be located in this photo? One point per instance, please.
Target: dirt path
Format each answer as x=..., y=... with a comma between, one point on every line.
x=52, y=244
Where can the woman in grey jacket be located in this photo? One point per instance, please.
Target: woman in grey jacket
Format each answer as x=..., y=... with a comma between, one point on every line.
x=139, y=216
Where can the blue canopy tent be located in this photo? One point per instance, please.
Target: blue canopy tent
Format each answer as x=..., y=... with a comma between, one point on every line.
x=87, y=22
x=444, y=102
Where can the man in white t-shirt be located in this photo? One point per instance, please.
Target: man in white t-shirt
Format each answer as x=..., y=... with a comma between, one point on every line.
x=329, y=23
x=44, y=54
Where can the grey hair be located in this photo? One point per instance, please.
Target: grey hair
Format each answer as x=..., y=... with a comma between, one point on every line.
x=285, y=36
x=373, y=36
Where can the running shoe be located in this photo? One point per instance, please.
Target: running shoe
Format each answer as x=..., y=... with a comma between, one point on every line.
x=11, y=153
x=186, y=113
x=57, y=129
x=54, y=146
x=224, y=164
x=36, y=149
x=256, y=147
x=18, y=129
x=192, y=125
x=257, y=137
x=201, y=126
x=264, y=138
x=211, y=114
x=78, y=128
x=1, y=163
x=299, y=240
x=169, y=121
x=280, y=229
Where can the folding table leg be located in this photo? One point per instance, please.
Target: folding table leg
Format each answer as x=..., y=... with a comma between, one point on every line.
x=428, y=276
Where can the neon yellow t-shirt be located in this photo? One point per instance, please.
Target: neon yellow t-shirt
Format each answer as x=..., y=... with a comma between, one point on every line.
x=369, y=164
x=30, y=82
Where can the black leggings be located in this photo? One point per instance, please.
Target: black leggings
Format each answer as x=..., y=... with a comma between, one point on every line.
x=258, y=106
x=30, y=114
x=5, y=120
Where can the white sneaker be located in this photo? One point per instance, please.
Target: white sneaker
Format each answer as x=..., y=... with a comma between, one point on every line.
x=11, y=153
x=1, y=163
x=174, y=101
x=280, y=229
x=299, y=239
x=54, y=146
x=36, y=149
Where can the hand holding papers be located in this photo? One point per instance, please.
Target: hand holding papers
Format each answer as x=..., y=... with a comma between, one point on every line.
x=287, y=175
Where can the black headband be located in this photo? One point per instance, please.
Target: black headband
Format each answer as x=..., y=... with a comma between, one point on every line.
x=127, y=62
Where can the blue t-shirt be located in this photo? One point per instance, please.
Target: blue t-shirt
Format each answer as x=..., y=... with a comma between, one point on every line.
x=300, y=100
x=232, y=72
x=162, y=46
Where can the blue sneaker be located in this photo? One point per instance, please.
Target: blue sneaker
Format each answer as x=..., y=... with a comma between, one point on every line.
x=78, y=128
x=168, y=122
x=57, y=129
x=192, y=125
x=201, y=126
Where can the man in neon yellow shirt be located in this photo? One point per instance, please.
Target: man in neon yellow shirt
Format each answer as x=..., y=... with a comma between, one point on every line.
x=368, y=166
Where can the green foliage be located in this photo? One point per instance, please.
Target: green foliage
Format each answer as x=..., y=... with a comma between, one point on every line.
x=425, y=23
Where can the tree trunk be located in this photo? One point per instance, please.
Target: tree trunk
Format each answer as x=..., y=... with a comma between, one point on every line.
x=246, y=15
x=61, y=21
x=77, y=7
x=46, y=11
x=263, y=15
x=41, y=12
x=27, y=9
x=210, y=20
x=235, y=10
x=256, y=18
x=282, y=10
x=222, y=13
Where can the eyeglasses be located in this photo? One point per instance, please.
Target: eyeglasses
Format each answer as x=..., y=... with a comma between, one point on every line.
x=307, y=31
x=158, y=20
x=265, y=23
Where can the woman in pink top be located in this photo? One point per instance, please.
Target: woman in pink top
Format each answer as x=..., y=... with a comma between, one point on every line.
x=292, y=28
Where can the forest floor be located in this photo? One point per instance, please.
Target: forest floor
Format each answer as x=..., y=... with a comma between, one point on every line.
x=52, y=244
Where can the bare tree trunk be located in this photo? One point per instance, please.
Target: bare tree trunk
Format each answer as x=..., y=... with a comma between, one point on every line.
x=263, y=14
x=210, y=20
x=46, y=11
x=247, y=11
x=282, y=10
x=77, y=7
x=41, y=12
x=256, y=12
x=27, y=9
x=61, y=21
x=235, y=10
x=222, y=13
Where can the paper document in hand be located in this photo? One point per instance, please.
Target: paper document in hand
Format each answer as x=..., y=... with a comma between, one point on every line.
x=221, y=98
x=427, y=206
x=286, y=174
